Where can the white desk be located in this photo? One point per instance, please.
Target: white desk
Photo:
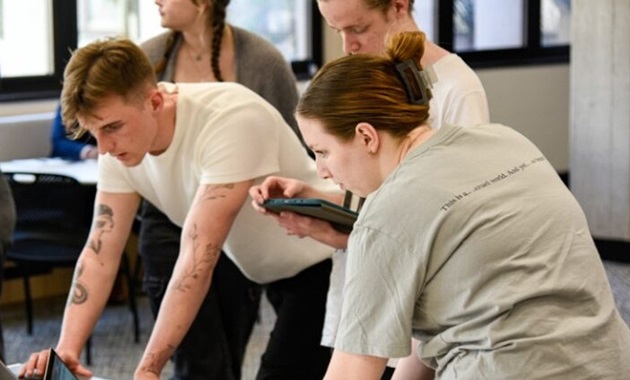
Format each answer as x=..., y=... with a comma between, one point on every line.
x=15, y=368
x=86, y=172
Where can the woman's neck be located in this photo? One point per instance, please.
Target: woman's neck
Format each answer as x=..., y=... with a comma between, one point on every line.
x=199, y=45
x=415, y=138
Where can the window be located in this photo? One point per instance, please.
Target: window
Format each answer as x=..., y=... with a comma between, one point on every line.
x=483, y=32
x=33, y=34
x=424, y=12
x=499, y=32
x=488, y=25
x=52, y=28
x=15, y=34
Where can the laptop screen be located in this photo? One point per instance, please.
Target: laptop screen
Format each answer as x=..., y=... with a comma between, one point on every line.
x=56, y=369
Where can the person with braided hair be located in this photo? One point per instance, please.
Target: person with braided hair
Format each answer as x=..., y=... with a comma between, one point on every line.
x=468, y=240
x=200, y=46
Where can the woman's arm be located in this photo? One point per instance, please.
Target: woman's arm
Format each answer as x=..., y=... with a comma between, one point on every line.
x=346, y=366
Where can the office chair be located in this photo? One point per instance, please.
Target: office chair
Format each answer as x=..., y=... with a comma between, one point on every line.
x=54, y=213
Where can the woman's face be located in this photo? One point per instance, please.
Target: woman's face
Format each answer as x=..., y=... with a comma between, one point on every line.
x=349, y=164
x=179, y=14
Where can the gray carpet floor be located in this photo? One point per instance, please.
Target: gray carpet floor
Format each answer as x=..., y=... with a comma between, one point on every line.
x=115, y=354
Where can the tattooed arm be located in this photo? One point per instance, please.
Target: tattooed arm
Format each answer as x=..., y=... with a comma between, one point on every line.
x=94, y=277
x=206, y=227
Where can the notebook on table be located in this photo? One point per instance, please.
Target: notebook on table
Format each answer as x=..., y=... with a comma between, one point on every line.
x=56, y=369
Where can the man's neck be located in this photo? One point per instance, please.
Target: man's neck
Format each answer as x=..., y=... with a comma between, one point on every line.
x=166, y=121
x=432, y=52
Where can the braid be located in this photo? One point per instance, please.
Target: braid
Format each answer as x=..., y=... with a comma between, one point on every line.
x=218, y=27
x=170, y=43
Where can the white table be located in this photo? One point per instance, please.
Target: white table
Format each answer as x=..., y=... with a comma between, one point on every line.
x=86, y=172
x=15, y=368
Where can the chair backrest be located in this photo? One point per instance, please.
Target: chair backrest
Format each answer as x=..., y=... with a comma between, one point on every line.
x=7, y=213
x=51, y=202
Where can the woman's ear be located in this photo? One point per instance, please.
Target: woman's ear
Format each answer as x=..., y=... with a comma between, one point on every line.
x=368, y=136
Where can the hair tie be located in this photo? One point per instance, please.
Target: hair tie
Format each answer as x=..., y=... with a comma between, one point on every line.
x=415, y=82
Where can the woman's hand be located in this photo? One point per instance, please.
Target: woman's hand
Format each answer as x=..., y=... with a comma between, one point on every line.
x=320, y=230
x=294, y=224
x=278, y=187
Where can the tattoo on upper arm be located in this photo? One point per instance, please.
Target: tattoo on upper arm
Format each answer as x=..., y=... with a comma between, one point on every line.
x=203, y=257
x=79, y=292
x=216, y=191
x=103, y=224
x=156, y=360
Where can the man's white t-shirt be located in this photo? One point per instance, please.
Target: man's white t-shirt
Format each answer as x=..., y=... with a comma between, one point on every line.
x=226, y=133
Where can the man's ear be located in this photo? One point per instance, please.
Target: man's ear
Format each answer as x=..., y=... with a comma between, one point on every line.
x=156, y=99
x=401, y=7
x=368, y=136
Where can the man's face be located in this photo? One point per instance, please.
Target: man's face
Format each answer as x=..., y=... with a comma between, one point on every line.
x=125, y=131
x=362, y=30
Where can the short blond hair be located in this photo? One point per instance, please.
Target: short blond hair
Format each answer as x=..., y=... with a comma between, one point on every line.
x=112, y=66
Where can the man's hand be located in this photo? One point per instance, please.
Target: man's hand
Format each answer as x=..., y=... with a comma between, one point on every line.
x=36, y=364
x=145, y=375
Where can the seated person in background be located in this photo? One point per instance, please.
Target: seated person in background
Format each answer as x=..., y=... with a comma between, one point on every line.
x=7, y=223
x=468, y=240
x=63, y=146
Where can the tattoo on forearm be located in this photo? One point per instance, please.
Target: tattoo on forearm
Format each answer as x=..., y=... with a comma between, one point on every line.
x=217, y=191
x=155, y=360
x=203, y=257
x=103, y=224
x=79, y=292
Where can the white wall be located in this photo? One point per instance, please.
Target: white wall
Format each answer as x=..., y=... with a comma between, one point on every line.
x=25, y=129
x=600, y=116
x=533, y=100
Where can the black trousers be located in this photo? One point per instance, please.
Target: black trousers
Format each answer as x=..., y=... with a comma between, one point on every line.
x=294, y=351
x=214, y=347
x=389, y=372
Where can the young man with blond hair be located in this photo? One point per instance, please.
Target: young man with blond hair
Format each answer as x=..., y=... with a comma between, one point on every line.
x=193, y=150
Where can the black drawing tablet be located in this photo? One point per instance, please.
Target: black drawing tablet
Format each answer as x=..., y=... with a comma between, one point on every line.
x=341, y=218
